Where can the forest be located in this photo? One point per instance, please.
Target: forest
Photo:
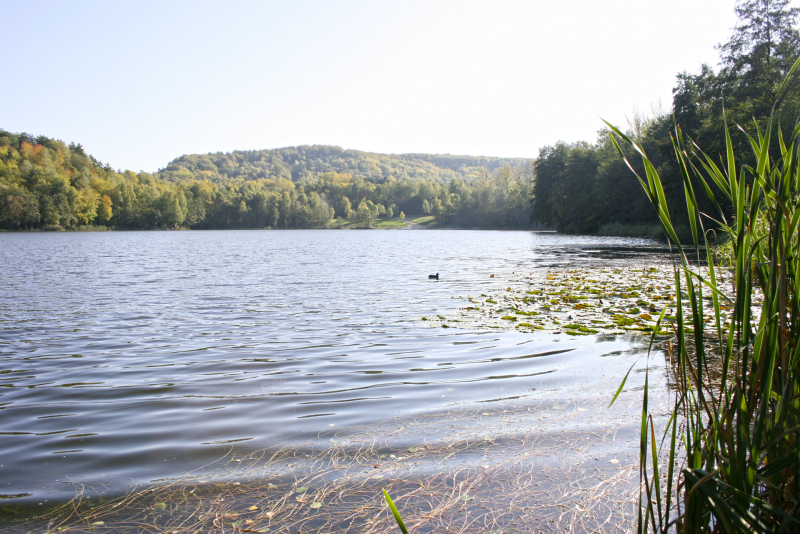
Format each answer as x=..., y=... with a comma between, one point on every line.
x=47, y=184
x=586, y=187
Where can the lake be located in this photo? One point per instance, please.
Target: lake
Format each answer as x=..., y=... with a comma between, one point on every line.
x=133, y=357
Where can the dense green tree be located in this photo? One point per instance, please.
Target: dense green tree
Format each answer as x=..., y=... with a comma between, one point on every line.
x=754, y=61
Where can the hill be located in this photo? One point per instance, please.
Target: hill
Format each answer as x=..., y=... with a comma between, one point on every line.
x=303, y=163
x=46, y=183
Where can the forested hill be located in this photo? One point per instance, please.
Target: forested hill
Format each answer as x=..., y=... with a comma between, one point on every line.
x=46, y=183
x=303, y=163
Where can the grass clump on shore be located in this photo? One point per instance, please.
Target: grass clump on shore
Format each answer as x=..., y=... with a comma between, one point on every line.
x=736, y=415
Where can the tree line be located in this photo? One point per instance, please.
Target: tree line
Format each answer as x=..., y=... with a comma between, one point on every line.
x=46, y=183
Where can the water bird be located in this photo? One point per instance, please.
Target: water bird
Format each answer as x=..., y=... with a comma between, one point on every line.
x=434, y=276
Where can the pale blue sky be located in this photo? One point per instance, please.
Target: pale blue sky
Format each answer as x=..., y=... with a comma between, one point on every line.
x=140, y=83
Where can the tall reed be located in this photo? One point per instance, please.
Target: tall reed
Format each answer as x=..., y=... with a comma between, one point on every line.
x=737, y=428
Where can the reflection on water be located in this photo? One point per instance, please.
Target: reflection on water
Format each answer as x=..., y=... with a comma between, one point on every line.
x=139, y=356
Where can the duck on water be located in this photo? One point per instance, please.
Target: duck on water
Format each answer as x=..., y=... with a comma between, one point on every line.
x=434, y=276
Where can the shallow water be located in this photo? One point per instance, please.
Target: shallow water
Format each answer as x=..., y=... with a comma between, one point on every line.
x=137, y=356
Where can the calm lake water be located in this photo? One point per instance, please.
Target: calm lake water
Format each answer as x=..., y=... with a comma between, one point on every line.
x=136, y=356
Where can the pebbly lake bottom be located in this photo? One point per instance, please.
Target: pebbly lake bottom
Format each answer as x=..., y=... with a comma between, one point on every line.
x=550, y=456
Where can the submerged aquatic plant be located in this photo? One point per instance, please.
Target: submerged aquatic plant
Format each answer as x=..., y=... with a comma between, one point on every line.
x=737, y=427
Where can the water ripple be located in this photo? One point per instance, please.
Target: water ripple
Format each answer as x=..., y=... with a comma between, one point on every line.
x=144, y=354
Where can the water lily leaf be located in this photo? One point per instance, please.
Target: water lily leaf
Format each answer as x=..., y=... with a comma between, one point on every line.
x=302, y=489
x=467, y=497
x=254, y=507
x=99, y=523
x=412, y=449
x=489, y=438
x=315, y=505
x=160, y=506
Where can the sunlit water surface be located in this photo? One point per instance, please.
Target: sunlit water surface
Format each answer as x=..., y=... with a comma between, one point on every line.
x=136, y=356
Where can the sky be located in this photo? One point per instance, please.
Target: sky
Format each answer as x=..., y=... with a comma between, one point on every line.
x=141, y=83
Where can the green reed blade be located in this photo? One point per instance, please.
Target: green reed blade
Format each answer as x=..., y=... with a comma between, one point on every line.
x=622, y=385
x=395, y=513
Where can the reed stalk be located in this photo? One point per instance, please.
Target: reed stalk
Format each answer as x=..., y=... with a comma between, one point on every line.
x=728, y=459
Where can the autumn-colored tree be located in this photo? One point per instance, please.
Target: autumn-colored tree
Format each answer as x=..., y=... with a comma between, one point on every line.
x=104, y=212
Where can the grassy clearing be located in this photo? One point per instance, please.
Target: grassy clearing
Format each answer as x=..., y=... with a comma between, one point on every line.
x=390, y=224
x=425, y=220
x=731, y=461
x=385, y=224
